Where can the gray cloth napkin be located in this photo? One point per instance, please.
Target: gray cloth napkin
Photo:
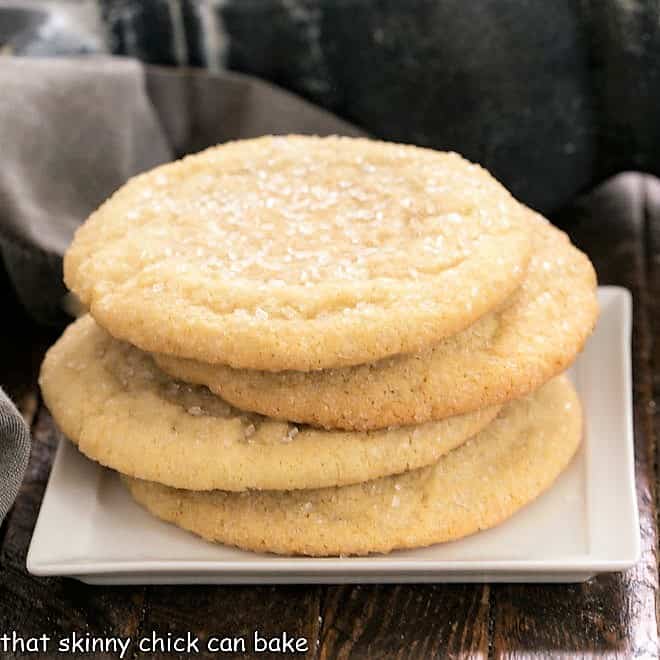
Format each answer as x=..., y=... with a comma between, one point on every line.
x=14, y=452
x=72, y=131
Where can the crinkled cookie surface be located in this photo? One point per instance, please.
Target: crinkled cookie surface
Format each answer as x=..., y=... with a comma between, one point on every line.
x=299, y=253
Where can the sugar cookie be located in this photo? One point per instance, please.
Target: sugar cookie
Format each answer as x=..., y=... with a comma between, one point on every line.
x=299, y=253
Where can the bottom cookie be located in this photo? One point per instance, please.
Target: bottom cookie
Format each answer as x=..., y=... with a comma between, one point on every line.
x=474, y=487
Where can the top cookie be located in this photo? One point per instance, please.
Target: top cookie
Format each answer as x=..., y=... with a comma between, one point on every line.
x=299, y=253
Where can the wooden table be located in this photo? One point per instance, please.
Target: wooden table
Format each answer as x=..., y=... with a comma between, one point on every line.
x=609, y=616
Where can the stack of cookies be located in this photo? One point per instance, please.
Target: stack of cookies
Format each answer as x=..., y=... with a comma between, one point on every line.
x=323, y=346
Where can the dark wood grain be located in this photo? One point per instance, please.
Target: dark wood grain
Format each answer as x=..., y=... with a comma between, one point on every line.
x=405, y=621
x=609, y=616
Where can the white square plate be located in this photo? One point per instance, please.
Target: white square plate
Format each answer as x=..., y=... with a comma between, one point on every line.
x=89, y=527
